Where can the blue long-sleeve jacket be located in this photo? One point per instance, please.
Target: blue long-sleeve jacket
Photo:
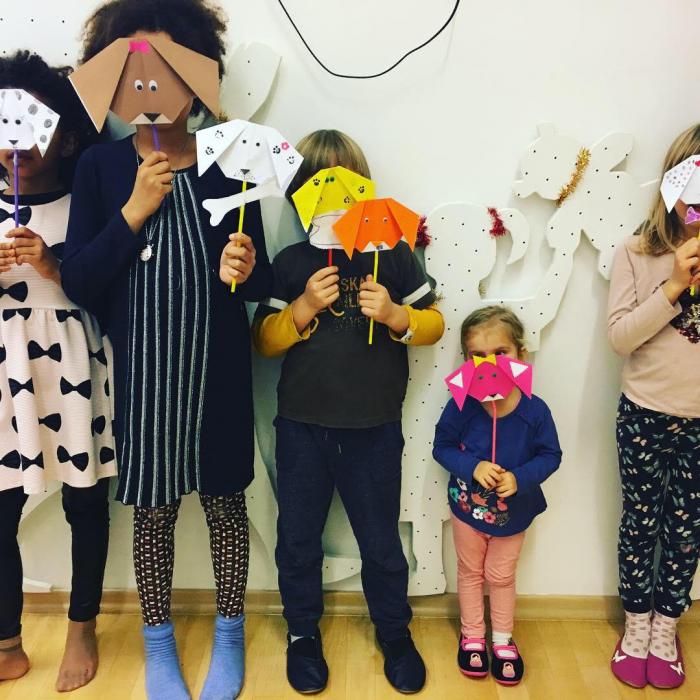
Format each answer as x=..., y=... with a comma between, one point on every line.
x=526, y=444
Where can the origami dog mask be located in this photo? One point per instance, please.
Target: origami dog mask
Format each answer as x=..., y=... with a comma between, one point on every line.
x=248, y=152
x=25, y=121
x=145, y=81
x=489, y=379
x=377, y=224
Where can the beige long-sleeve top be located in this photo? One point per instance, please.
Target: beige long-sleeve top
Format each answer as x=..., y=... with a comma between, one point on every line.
x=658, y=340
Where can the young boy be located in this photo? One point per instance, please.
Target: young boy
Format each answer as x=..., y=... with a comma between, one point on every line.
x=339, y=424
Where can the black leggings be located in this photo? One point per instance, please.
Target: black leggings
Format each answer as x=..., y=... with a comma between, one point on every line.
x=87, y=513
x=154, y=554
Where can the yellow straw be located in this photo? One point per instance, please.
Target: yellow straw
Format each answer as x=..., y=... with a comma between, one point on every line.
x=374, y=277
x=241, y=215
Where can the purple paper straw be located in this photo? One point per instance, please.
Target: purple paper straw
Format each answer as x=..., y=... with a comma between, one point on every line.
x=156, y=140
x=15, y=184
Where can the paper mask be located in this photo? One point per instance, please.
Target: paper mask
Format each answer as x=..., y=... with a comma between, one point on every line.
x=489, y=379
x=145, y=81
x=377, y=224
x=25, y=121
x=682, y=182
x=330, y=190
x=248, y=152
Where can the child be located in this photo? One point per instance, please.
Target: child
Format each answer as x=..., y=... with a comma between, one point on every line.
x=653, y=323
x=339, y=424
x=528, y=452
x=183, y=397
x=55, y=415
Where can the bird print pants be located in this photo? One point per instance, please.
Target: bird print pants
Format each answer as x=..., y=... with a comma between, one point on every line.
x=154, y=554
x=659, y=459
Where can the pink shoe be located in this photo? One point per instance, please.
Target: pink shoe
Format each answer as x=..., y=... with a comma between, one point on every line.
x=666, y=674
x=507, y=666
x=628, y=669
x=472, y=658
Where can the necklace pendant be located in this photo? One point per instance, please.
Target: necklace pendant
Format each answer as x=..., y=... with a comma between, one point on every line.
x=146, y=253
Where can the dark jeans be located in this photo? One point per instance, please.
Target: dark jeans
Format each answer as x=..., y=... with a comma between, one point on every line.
x=365, y=466
x=87, y=513
x=660, y=470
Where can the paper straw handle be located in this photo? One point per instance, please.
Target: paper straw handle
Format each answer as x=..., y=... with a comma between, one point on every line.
x=374, y=277
x=493, y=432
x=241, y=216
x=15, y=183
x=156, y=139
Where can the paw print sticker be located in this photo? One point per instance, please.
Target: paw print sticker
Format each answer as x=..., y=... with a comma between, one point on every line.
x=219, y=134
x=277, y=150
x=361, y=189
x=317, y=182
x=284, y=146
x=209, y=150
x=291, y=160
x=347, y=200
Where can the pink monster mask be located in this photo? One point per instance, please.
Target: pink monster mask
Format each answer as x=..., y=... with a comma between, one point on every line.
x=489, y=379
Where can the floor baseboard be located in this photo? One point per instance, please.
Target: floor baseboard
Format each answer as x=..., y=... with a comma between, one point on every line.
x=201, y=602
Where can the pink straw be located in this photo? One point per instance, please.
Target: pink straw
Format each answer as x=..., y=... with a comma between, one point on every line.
x=15, y=184
x=493, y=434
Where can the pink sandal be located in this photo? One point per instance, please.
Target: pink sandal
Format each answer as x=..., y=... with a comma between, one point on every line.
x=629, y=669
x=666, y=674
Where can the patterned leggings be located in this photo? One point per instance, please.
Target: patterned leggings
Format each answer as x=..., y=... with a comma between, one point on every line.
x=154, y=554
x=659, y=458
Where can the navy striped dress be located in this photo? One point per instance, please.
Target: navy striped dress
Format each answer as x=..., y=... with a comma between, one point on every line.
x=183, y=395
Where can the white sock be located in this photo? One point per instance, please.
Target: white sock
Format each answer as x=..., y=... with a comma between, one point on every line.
x=663, y=637
x=637, y=635
x=503, y=639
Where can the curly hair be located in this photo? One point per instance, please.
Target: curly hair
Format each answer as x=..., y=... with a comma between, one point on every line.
x=28, y=71
x=198, y=25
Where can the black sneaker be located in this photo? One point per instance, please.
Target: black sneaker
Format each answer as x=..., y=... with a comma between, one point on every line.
x=472, y=657
x=507, y=665
x=307, y=671
x=403, y=665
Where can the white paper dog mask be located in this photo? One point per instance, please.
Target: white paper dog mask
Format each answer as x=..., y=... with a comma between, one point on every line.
x=682, y=182
x=249, y=152
x=25, y=121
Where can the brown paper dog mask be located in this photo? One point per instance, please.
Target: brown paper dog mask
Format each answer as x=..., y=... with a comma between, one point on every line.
x=145, y=81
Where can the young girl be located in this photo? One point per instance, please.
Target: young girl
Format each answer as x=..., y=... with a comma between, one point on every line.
x=183, y=398
x=488, y=548
x=55, y=416
x=339, y=424
x=653, y=322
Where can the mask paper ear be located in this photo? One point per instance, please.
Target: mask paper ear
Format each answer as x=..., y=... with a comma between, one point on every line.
x=359, y=187
x=520, y=372
x=306, y=198
x=199, y=73
x=213, y=141
x=43, y=122
x=682, y=177
x=406, y=220
x=96, y=80
x=459, y=382
x=347, y=228
x=285, y=159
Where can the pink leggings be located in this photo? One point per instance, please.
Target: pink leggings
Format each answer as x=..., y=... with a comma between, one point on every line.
x=482, y=558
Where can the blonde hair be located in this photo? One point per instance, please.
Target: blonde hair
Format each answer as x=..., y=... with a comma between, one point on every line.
x=494, y=314
x=662, y=231
x=327, y=148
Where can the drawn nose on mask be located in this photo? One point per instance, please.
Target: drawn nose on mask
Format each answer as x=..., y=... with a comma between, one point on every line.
x=245, y=171
x=151, y=116
x=13, y=141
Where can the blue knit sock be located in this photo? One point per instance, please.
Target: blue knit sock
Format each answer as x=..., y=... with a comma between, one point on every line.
x=164, y=679
x=227, y=667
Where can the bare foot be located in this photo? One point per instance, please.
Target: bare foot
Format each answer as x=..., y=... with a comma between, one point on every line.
x=79, y=664
x=13, y=661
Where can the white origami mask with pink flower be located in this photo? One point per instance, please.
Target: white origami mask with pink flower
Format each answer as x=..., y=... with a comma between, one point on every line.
x=489, y=379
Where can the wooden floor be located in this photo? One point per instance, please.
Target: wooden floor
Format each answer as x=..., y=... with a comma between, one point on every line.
x=565, y=660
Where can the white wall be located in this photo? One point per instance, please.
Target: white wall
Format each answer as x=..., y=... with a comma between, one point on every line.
x=450, y=125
